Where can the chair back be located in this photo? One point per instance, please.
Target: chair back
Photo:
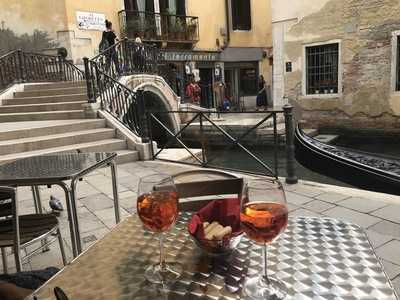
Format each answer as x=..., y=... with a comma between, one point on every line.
x=204, y=183
x=9, y=212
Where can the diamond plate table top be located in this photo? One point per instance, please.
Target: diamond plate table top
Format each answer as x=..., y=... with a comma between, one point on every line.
x=59, y=167
x=316, y=258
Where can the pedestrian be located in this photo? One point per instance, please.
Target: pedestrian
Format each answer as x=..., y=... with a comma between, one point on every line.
x=261, y=99
x=193, y=90
x=226, y=104
x=111, y=55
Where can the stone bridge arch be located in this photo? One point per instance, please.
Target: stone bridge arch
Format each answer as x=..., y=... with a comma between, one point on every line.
x=159, y=97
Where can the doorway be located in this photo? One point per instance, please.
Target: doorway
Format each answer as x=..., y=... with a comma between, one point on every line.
x=206, y=85
x=232, y=86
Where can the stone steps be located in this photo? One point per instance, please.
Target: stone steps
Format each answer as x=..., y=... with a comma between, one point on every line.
x=55, y=140
x=51, y=92
x=107, y=145
x=37, y=129
x=45, y=99
x=48, y=118
x=54, y=85
x=40, y=116
x=41, y=107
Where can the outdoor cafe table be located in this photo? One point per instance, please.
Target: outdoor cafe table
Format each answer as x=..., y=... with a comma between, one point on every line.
x=316, y=258
x=56, y=169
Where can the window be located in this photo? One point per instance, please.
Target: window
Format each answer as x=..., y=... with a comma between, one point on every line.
x=248, y=82
x=398, y=64
x=322, y=65
x=241, y=14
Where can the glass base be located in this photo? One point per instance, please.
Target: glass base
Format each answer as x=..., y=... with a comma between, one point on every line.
x=257, y=288
x=169, y=275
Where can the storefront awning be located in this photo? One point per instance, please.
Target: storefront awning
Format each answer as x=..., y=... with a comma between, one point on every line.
x=231, y=54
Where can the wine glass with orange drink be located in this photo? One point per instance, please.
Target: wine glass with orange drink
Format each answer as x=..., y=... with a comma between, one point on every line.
x=157, y=207
x=263, y=216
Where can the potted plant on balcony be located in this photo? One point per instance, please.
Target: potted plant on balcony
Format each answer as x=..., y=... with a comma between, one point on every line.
x=150, y=29
x=136, y=26
x=180, y=29
x=192, y=30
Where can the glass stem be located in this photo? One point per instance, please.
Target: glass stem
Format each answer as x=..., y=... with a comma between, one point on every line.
x=265, y=276
x=162, y=258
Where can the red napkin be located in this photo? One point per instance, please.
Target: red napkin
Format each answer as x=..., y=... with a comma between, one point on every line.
x=224, y=211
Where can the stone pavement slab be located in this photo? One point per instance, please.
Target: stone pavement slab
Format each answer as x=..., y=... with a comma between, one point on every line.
x=352, y=216
x=391, y=213
x=390, y=252
x=387, y=228
x=318, y=206
x=331, y=197
x=362, y=204
x=391, y=269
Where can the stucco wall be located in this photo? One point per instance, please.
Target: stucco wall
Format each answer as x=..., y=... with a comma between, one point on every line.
x=364, y=29
x=24, y=16
x=212, y=18
x=85, y=42
x=58, y=18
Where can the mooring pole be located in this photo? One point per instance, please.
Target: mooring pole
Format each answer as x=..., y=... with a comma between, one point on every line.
x=290, y=160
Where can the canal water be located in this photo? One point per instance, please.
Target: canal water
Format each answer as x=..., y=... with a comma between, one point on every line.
x=238, y=159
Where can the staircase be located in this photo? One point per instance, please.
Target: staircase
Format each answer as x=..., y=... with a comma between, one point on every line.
x=49, y=118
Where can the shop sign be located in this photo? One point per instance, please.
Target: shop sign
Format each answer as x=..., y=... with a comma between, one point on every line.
x=90, y=20
x=191, y=56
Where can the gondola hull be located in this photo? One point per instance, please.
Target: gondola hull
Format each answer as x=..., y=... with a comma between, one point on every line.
x=336, y=162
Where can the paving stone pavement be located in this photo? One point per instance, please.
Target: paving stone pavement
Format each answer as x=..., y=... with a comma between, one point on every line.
x=378, y=214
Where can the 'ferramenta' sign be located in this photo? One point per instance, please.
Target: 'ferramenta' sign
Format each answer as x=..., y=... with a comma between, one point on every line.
x=190, y=56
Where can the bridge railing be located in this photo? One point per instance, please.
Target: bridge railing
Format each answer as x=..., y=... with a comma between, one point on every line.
x=18, y=66
x=103, y=72
x=205, y=141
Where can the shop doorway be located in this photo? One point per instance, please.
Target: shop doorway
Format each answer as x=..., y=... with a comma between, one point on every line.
x=231, y=86
x=206, y=85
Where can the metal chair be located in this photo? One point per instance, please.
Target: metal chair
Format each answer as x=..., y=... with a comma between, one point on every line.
x=18, y=232
x=217, y=183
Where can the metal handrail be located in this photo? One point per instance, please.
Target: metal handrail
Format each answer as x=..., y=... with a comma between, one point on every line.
x=202, y=117
x=20, y=66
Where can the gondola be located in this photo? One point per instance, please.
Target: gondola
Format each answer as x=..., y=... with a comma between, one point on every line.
x=364, y=170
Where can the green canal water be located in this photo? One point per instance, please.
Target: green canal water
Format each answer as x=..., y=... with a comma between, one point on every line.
x=238, y=159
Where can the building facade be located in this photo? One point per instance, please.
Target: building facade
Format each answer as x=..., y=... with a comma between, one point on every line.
x=339, y=59
x=225, y=42
x=75, y=25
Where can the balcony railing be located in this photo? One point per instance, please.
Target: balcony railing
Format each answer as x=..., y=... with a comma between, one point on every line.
x=156, y=27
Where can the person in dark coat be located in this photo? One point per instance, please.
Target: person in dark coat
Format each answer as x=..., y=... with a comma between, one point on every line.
x=110, y=37
x=261, y=99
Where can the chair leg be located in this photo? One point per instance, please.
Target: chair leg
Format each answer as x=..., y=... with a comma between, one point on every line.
x=4, y=259
x=17, y=257
x=61, y=243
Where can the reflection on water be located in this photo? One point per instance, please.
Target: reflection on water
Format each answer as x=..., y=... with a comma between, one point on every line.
x=238, y=159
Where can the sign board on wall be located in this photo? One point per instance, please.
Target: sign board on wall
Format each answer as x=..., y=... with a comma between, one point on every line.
x=190, y=56
x=90, y=20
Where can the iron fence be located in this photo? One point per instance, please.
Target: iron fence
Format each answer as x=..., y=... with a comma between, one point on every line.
x=203, y=125
x=159, y=27
x=19, y=66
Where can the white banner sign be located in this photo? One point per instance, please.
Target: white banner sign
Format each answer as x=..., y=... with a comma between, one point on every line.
x=91, y=21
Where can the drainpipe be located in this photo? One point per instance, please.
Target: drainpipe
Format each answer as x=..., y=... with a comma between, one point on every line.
x=228, y=31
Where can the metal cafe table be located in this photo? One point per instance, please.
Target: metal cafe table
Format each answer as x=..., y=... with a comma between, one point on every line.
x=316, y=258
x=56, y=170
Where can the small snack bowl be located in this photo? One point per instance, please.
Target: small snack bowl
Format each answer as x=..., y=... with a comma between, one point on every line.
x=219, y=247
x=216, y=227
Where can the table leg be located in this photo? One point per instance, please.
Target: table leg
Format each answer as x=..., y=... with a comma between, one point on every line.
x=115, y=191
x=39, y=210
x=71, y=220
x=35, y=200
x=75, y=214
